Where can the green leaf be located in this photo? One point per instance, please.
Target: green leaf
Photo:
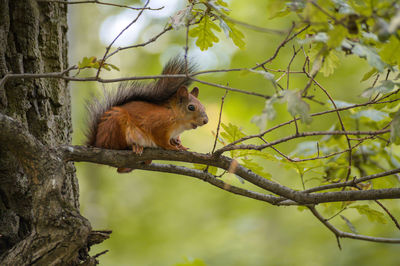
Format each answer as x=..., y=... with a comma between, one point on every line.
x=381, y=28
x=87, y=62
x=204, y=33
x=390, y=51
x=385, y=86
x=282, y=13
x=315, y=17
x=241, y=180
x=343, y=7
x=224, y=26
x=296, y=106
x=113, y=67
x=275, y=7
x=92, y=62
x=105, y=66
x=331, y=61
x=211, y=169
x=321, y=37
x=373, y=215
x=260, y=120
x=332, y=207
x=340, y=104
x=181, y=18
x=361, y=7
x=232, y=32
x=394, y=23
x=268, y=113
x=323, y=60
x=371, y=114
x=372, y=57
x=336, y=36
x=236, y=35
x=222, y=3
x=220, y=6
x=316, y=51
x=232, y=132
x=395, y=128
x=369, y=74
x=265, y=74
x=370, y=37
x=255, y=167
x=349, y=224
x=262, y=154
x=302, y=208
x=306, y=148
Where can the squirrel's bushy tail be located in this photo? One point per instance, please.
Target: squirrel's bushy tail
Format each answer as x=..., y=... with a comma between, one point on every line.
x=156, y=92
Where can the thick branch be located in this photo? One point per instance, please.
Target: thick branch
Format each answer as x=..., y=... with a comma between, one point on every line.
x=129, y=159
x=209, y=178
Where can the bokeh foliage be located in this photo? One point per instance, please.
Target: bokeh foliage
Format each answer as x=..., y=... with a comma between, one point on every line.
x=161, y=219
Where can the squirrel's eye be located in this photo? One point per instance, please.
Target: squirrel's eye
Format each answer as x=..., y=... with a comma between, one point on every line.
x=191, y=107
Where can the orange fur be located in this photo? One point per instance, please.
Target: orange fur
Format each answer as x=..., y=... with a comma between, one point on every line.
x=139, y=124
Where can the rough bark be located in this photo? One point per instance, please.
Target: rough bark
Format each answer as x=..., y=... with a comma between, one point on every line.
x=40, y=222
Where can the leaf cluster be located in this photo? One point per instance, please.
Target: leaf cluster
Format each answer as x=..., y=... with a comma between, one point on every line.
x=211, y=17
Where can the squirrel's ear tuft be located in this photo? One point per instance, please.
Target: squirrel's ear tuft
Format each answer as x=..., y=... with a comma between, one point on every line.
x=183, y=92
x=195, y=92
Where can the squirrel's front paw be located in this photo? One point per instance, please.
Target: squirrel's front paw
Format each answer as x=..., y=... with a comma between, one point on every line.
x=178, y=144
x=175, y=141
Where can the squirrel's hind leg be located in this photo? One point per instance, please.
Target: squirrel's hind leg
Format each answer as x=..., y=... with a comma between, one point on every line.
x=123, y=170
x=136, y=148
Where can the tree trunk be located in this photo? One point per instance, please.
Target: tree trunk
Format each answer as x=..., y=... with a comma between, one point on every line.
x=40, y=222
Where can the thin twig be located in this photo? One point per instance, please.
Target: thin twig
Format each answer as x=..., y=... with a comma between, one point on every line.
x=219, y=122
x=100, y=253
x=282, y=44
x=296, y=126
x=153, y=39
x=340, y=234
x=187, y=41
x=103, y=60
x=97, y=2
x=233, y=145
x=218, y=126
x=290, y=63
x=340, y=121
x=241, y=23
x=327, y=14
x=231, y=89
x=388, y=213
x=354, y=182
x=336, y=214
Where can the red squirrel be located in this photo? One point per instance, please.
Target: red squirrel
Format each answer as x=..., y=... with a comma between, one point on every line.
x=140, y=115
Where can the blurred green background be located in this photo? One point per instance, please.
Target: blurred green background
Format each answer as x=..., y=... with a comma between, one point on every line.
x=161, y=219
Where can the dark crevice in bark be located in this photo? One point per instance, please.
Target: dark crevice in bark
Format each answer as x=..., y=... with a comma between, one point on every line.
x=40, y=221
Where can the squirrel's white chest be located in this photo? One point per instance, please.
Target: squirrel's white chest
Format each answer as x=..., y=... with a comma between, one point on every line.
x=177, y=131
x=134, y=135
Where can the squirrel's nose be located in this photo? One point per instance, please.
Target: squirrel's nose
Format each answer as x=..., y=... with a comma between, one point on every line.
x=205, y=121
